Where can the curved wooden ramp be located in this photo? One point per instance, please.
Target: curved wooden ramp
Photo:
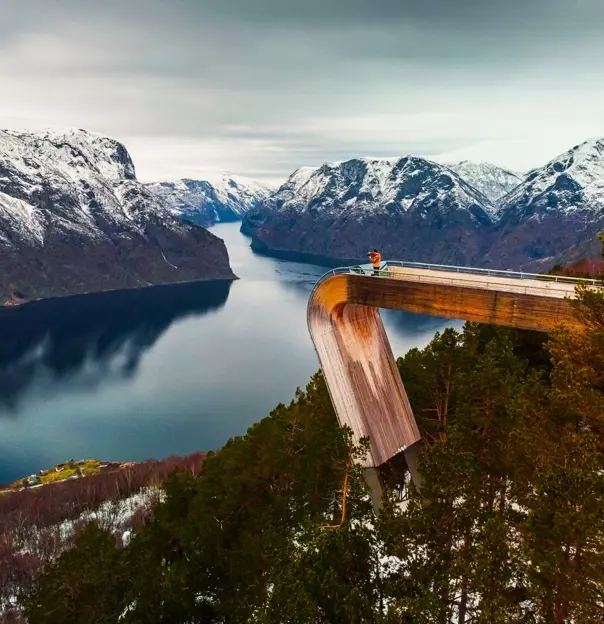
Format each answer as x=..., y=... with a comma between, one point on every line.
x=355, y=355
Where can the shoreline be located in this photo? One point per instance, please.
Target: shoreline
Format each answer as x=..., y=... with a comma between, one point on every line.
x=84, y=468
x=328, y=262
x=331, y=262
x=72, y=469
x=10, y=304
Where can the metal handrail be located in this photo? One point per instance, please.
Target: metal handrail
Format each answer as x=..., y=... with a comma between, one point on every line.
x=363, y=268
x=494, y=272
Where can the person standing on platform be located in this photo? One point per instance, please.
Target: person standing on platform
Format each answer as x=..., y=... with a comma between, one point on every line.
x=375, y=257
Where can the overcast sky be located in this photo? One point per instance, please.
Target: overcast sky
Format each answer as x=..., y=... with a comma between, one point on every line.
x=261, y=87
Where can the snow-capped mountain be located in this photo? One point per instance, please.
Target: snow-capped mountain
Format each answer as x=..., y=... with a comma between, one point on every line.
x=296, y=181
x=409, y=207
x=556, y=212
x=492, y=181
x=414, y=209
x=206, y=202
x=74, y=218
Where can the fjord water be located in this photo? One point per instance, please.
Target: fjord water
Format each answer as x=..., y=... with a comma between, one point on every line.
x=166, y=370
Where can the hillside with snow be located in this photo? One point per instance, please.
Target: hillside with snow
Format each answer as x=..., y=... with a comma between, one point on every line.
x=74, y=219
x=409, y=208
x=492, y=181
x=43, y=515
x=220, y=199
x=555, y=214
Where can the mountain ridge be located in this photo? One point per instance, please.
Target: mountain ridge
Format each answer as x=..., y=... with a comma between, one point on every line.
x=74, y=219
x=552, y=215
x=342, y=209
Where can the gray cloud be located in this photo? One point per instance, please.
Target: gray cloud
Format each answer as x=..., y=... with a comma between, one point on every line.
x=259, y=87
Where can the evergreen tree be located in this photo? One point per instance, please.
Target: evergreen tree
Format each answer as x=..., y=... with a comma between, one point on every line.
x=330, y=576
x=428, y=376
x=86, y=584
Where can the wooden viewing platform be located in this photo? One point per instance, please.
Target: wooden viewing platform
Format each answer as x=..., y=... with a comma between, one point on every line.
x=355, y=355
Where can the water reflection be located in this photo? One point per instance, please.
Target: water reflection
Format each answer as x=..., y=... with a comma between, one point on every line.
x=92, y=337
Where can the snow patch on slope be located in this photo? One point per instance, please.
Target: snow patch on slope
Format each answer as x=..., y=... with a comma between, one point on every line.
x=23, y=217
x=572, y=183
x=300, y=177
x=219, y=198
x=115, y=516
x=492, y=181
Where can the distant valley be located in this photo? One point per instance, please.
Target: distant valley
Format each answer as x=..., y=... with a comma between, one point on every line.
x=207, y=202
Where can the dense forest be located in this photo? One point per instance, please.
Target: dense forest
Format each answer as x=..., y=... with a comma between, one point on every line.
x=509, y=526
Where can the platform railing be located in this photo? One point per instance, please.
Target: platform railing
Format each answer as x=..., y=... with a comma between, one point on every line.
x=367, y=269
x=494, y=272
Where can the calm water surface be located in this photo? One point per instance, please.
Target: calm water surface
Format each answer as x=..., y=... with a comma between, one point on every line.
x=161, y=371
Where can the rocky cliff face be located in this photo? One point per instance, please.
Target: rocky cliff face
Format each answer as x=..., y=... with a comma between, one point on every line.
x=416, y=210
x=204, y=202
x=74, y=219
